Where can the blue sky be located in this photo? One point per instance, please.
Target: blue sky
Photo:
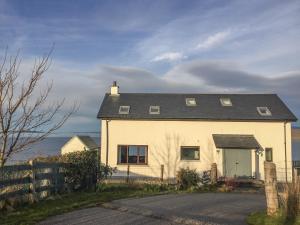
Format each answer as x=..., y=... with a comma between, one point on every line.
x=157, y=46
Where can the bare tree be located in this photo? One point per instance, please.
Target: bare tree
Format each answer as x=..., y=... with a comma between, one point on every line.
x=25, y=116
x=167, y=154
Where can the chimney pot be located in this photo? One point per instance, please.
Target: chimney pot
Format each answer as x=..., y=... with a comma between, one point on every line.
x=114, y=89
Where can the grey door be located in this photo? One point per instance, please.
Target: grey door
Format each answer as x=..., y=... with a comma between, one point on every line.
x=237, y=162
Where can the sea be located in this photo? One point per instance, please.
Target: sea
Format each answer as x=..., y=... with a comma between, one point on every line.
x=48, y=147
x=51, y=146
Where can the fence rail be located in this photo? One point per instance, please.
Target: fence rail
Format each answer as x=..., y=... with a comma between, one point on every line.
x=296, y=168
x=31, y=179
x=296, y=163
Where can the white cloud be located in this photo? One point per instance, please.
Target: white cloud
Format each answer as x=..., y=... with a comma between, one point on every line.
x=214, y=40
x=169, y=56
x=88, y=86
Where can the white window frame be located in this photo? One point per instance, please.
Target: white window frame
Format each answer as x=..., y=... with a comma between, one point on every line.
x=127, y=107
x=188, y=103
x=268, y=112
x=224, y=100
x=154, y=107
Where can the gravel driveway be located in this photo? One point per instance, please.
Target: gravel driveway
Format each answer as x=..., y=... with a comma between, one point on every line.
x=202, y=208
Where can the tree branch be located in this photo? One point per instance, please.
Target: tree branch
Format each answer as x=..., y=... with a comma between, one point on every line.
x=26, y=118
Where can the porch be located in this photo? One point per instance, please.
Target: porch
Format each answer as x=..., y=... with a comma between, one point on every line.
x=239, y=156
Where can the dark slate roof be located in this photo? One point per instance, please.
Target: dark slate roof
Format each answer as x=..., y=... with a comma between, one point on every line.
x=88, y=141
x=173, y=107
x=235, y=141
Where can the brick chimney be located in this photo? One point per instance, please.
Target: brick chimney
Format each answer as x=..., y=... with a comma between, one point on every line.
x=114, y=89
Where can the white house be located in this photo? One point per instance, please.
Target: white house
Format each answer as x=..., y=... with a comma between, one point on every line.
x=238, y=132
x=79, y=143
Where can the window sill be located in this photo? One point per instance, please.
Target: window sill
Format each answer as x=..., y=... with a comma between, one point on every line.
x=190, y=160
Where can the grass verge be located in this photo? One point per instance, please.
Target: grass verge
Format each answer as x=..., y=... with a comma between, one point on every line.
x=261, y=218
x=31, y=214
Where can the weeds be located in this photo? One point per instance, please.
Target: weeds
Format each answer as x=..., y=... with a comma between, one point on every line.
x=290, y=199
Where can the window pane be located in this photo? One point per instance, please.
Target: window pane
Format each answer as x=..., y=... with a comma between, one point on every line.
x=142, y=159
x=269, y=156
x=124, y=109
x=122, y=154
x=226, y=102
x=142, y=150
x=142, y=154
x=264, y=111
x=132, y=154
x=190, y=101
x=190, y=153
x=154, y=109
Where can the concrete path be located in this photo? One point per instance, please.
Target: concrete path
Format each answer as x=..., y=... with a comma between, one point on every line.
x=205, y=208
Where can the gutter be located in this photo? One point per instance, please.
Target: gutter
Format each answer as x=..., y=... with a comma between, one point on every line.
x=195, y=119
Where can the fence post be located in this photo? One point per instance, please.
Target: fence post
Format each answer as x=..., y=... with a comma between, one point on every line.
x=271, y=188
x=295, y=175
x=213, y=173
x=128, y=171
x=33, y=195
x=55, y=180
x=162, y=173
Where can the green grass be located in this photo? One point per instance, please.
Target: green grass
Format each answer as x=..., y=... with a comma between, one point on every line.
x=261, y=218
x=33, y=213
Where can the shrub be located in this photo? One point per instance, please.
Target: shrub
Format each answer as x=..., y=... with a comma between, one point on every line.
x=205, y=177
x=208, y=188
x=106, y=171
x=187, y=178
x=81, y=169
x=49, y=159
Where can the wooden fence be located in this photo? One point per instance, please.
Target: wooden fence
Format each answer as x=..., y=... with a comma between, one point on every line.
x=296, y=168
x=36, y=179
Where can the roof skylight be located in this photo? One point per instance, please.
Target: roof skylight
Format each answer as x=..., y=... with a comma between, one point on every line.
x=226, y=101
x=124, y=109
x=190, y=102
x=264, y=111
x=154, y=109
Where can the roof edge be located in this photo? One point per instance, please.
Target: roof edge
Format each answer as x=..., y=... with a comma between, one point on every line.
x=198, y=119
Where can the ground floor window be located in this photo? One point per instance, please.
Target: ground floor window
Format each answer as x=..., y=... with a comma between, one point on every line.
x=132, y=154
x=269, y=154
x=190, y=153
